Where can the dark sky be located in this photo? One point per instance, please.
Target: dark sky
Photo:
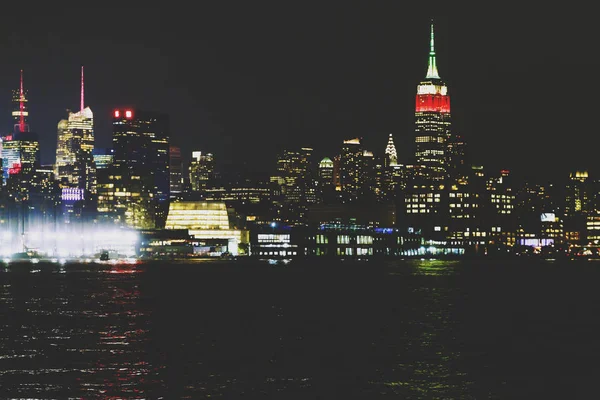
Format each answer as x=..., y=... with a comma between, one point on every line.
x=246, y=79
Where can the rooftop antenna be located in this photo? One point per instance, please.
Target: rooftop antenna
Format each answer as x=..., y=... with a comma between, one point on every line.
x=432, y=71
x=22, y=107
x=82, y=102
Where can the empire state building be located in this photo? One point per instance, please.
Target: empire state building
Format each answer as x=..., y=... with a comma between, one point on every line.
x=432, y=121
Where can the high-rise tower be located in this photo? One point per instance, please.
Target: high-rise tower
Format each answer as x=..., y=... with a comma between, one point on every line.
x=20, y=111
x=432, y=120
x=390, y=152
x=20, y=150
x=134, y=190
x=75, y=143
x=175, y=172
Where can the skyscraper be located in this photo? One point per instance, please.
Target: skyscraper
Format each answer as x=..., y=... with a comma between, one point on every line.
x=326, y=172
x=432, y=120
x=134, y=190
x=326, y=181
x=75, y=144
x=202, y=170
x=390, y=152
x=351, y=163
x=20, y=150
x=294, y=167
x=175, y=171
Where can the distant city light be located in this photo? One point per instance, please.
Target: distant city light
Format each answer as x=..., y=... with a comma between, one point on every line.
x=15, y=169
x=72, y=194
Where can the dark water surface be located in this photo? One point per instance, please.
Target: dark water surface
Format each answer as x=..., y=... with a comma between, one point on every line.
x=406, y=329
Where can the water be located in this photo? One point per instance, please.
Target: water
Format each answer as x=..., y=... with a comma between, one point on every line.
x=405, y=329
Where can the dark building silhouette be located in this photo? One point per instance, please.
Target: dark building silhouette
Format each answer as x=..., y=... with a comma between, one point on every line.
x=134, y=190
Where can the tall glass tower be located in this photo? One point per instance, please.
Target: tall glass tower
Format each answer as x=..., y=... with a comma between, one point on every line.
x=74, y=165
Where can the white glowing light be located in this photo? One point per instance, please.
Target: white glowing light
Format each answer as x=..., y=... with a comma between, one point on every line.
x=432, y=89
x=70, y=242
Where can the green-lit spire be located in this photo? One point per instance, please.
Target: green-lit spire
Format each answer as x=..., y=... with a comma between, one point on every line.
x=432, y=72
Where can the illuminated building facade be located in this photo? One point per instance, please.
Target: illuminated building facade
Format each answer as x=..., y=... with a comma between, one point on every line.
x=141, y=145
x=71, y=198
x=578, y=203
x=382, y=179
x=239, y=195
x=134, y=190
x=326, y=171
x=175, y=172
x=577, y=196
x=20, y=154
x=367, y=175
x=293, y=167
x=11, y=158
x=210, y=221
x=466, y=224
x=351, y=159
x=501, y=203
x=476, y=213
x=43, y=196
x=63, y=155
x=390, y=152
x=20, y=150
x=457, y=164
x=202, y=171
x=103, y=158
x=432, y=121
x=337, y=173
x=75, y=165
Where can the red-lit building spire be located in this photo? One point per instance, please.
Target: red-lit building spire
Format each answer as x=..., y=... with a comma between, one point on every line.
x=22, y=106
x=82, y=106
x=432, y=93
x=432, y=119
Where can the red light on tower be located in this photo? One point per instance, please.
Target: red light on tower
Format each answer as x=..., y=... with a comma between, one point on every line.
x=117, y=114
x=128, y=114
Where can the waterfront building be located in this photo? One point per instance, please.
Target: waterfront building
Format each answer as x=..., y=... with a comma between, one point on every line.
x=209, y=221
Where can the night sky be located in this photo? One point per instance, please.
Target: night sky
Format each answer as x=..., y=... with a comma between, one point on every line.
x=244, y=80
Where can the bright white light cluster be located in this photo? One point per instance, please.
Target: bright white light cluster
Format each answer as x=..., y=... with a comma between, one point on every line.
x=72, y=242
x=429, y=88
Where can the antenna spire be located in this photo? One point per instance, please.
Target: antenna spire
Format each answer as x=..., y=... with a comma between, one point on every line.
x=82, y=91
x=22, y=107
x=432, y=72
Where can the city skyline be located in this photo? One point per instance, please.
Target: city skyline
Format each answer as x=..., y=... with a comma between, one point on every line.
x=248, y=96
x=287, y=200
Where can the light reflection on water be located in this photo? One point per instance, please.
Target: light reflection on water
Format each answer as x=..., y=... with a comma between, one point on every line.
x=410, y=329
x=79, y=333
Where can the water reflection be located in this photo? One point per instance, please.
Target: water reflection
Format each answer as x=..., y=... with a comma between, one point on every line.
x=73, y=332
x=177, y=331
